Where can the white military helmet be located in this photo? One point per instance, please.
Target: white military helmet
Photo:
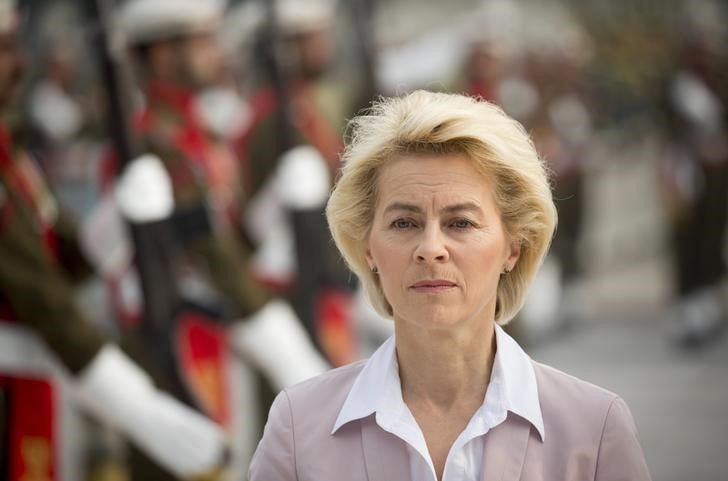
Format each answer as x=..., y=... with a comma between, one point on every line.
x=144, y=21
x=297, y=17
x=8, y=16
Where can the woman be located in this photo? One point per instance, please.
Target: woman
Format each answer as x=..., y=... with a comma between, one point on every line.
x=444, y=212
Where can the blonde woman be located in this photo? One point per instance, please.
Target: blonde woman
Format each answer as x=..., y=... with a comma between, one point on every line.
x=444, y=212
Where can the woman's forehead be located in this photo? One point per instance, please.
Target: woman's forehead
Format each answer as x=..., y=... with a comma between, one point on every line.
x=435, y=166
x=433, y=181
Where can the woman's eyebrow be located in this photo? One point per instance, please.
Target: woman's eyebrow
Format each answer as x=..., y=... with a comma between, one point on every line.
x=402, y=206
x=465, y=206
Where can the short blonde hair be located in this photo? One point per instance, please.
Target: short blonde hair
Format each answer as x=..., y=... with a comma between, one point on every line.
x=439, y=123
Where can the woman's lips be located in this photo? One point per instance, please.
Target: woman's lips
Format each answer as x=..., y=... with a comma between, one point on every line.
x=432, y=286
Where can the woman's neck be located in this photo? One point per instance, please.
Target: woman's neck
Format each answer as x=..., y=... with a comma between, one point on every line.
x=441, y=369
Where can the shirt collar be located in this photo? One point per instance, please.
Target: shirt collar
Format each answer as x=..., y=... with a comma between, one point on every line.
x=515, y=368
x=512, y=385
x=372, y=387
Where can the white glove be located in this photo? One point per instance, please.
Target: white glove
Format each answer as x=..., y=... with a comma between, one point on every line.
x=270, y=228
x=224, y=111
x=696, y=101
x=55, y=112
x=275, y=341
x=302, y=179
x=144, y=190
x=276, y=257
x=104, y=238
x=116, y=391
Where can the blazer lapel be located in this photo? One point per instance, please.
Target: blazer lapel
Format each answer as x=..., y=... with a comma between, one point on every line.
x=385, y=455
x=505, y=450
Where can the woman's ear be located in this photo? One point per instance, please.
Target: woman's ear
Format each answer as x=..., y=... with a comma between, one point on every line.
x=370, y=259
x=514, y=253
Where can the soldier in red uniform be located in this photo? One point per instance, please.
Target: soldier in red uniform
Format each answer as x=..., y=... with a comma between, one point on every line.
x=41, y=259
x=297, y=134
x=174, y=45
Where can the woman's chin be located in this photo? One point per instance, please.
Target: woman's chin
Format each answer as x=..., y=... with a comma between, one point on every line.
x=436, y=317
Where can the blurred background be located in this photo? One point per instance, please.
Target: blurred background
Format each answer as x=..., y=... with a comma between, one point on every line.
x=245, y=102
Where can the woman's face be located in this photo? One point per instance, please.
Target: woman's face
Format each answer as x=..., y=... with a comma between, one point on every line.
x=437, y=241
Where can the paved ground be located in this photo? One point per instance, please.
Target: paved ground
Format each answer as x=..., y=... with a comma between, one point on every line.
x=679, y=400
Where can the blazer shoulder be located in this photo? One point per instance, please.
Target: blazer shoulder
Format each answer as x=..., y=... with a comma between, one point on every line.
x=565, y=387
x=575, y=408
x=582, y=417
x=298, y=442
x=325, y=392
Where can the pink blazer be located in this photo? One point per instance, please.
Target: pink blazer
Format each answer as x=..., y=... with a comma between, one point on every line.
x=589, y=435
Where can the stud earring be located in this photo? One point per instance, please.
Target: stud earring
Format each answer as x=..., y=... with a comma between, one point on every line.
x=375, y=270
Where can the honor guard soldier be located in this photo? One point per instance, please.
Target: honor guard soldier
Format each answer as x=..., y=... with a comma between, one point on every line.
x=295, y=141
x=695, y=104
x=174, y=46
x=41, y=259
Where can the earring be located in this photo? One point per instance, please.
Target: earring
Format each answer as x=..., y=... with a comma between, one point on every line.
x=506, y=270
x=375, y=270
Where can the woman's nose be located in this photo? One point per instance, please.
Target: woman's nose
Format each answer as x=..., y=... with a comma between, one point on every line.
x=431, y=246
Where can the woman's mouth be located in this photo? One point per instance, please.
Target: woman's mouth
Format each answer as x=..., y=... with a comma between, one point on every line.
x=433, y=286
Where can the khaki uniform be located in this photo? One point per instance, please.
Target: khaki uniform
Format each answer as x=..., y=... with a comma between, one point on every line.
x=208, y=196
x=323, y=284
x=40, y=262
x=205, y=224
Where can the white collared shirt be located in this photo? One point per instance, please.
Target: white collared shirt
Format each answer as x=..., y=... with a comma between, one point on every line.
x=512, y=387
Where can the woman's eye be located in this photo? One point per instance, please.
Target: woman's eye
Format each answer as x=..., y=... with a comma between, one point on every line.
x=402, y=224
x=462, y=224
